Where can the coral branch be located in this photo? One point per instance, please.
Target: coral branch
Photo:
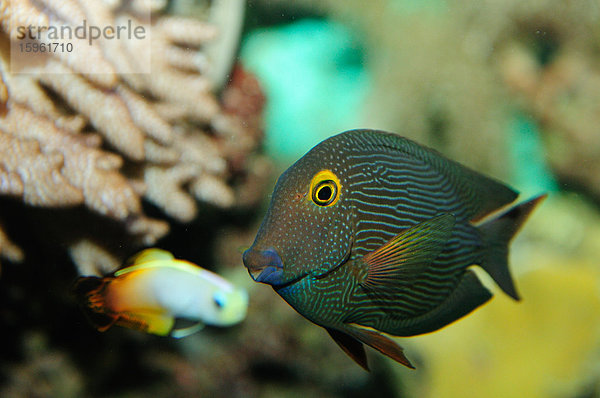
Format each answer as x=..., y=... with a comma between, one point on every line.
x=34, y=175
x=79, y=128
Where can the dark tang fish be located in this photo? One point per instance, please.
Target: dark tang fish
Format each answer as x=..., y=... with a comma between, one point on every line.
x=370, y=232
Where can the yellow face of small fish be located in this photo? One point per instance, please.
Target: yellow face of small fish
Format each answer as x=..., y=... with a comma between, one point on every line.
x=308, y=227
x=230, y=307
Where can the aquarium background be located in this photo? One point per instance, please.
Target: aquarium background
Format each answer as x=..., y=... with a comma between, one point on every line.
x=95, y=166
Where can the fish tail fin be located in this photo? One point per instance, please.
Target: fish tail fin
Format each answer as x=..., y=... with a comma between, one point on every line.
x=85, y=284
x=88, y=291
x=497, y=234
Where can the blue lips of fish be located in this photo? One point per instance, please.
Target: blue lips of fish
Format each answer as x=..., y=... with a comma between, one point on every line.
x=271, y=270
x=372, y=233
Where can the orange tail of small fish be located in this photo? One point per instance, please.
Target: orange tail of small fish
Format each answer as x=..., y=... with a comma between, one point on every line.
x=497, y=233
x=89, y=293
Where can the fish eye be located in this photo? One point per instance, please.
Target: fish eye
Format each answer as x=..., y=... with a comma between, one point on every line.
x=219, y=300
x=325, y=188
x=324, y=193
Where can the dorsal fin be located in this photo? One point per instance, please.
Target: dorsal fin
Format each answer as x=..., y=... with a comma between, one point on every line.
x=408, y=252
x=479, y=194
x=146, y=255
x=138, y=260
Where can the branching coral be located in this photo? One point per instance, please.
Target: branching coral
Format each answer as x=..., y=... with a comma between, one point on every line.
x=81, y=128
x=34, y=175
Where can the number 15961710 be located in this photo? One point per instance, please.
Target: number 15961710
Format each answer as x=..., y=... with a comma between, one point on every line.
x=45, y=47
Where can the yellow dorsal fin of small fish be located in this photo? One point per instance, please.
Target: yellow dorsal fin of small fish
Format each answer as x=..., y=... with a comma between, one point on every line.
x=150, y=258
x=181, y=265
x=146, y=255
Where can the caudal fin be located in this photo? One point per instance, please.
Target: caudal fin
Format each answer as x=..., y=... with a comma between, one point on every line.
x=497, y=234
x=88, y=292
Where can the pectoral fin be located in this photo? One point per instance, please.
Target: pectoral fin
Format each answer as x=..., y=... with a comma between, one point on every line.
x=351, y=346
x=186, y=331
x=408, y=253
x=378, y=341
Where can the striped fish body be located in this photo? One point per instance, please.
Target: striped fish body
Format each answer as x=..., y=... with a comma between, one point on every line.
x=372, y=232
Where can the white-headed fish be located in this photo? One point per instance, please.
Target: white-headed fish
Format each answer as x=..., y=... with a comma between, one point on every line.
x=154, y=289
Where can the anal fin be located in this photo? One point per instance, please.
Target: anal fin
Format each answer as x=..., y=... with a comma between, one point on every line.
x=468, y=295
x=351, y=346
x=149, y=322
x=379, y=342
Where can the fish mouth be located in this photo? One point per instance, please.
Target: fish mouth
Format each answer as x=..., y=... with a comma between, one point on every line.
x=269, y=275
x=264, y=266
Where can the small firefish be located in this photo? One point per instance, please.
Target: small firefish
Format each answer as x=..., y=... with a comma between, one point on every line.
x=370, y=232
x=154, y=289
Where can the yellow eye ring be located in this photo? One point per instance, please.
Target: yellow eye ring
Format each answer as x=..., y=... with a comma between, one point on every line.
x=324, y=193
x=325, y=188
